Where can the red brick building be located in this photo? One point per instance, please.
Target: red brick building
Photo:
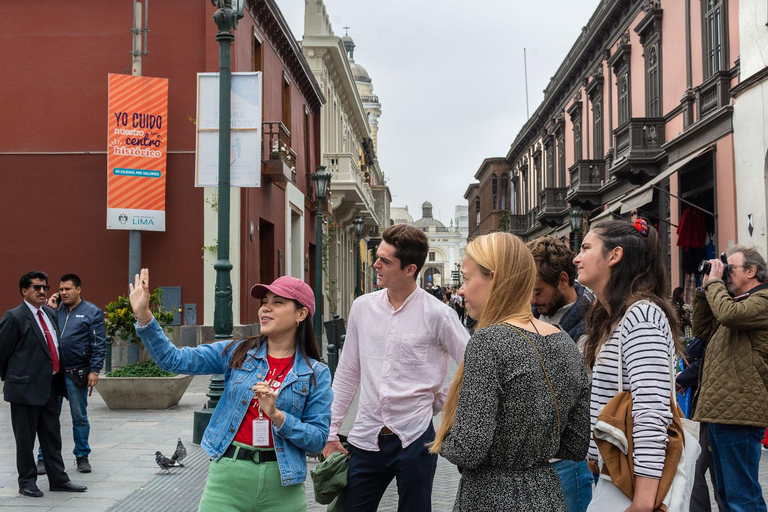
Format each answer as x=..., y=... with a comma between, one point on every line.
x=53, y=106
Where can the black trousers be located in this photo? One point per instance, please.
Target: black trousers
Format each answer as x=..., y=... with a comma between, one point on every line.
x=370, y=473
x=42, y=421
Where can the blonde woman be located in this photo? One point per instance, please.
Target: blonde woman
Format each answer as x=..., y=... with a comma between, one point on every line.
x=521, y=396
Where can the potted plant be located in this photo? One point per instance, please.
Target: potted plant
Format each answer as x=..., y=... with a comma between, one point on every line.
x=141, y=384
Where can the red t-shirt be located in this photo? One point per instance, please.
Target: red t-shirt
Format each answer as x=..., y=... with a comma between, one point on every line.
x=278, y=369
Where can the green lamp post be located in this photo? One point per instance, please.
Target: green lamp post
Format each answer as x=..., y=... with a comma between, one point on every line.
x=321, y=180
x=229, y=11
x=359, y=223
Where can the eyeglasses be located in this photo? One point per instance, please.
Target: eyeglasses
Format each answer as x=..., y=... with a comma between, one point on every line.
x=39, y=287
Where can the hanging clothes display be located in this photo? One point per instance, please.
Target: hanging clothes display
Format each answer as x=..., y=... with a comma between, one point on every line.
x=691, y=233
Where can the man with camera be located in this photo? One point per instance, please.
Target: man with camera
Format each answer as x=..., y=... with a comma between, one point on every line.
x=83, y=342
x=731, y=311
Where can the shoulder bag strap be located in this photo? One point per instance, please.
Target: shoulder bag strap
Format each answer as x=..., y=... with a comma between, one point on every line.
x=543, y=369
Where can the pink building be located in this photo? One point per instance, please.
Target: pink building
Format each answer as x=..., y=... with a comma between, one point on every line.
x=637, y=121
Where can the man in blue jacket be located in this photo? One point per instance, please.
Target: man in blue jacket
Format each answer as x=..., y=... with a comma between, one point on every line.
x=83, y=342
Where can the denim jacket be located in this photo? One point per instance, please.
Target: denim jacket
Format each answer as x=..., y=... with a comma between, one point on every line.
x=306, y=405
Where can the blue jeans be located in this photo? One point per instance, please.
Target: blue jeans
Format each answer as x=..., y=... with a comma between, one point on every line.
x=736, y=457
x=576, y=480
x=81, y=428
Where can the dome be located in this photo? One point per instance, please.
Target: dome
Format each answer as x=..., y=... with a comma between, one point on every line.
x=359, y=72
x=427, y=221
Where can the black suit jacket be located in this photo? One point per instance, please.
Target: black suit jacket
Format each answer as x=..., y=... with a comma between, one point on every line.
x=26, y=367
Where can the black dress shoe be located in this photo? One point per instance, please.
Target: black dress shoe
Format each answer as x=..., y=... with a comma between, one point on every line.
x=40, y=468
x=68, y=487
x=32, y=491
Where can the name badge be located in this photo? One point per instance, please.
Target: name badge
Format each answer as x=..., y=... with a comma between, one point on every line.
x=261, y=432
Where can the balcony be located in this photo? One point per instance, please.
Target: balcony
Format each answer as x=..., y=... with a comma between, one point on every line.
x=280, y=158
x=515, y=224
x=348, y=184
x=552, y=206
x=532, y=222
x=587, y=178
x=638, y=143
x=713, y=94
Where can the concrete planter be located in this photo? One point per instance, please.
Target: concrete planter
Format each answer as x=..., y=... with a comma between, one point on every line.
x=142, y=392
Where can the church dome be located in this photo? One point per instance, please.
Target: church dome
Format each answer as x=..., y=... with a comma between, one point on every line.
x=427, y=221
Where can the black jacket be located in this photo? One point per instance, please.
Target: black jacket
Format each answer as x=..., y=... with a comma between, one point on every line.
x=26, y=366
x=83, y=336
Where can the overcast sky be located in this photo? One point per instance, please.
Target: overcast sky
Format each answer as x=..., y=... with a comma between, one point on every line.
x=450, y=79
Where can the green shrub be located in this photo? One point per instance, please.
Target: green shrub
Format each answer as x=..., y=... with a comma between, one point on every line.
x=146, y=369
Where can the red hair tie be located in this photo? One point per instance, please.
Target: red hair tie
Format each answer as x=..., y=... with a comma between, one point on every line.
x=641, y=225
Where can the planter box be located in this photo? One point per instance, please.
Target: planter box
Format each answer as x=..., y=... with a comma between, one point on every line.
x=143, y=392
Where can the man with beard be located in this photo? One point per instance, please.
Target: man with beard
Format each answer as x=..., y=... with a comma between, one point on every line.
x=559, y=299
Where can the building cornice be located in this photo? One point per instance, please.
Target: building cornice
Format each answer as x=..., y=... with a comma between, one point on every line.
x=268, y=17
x=750, y=82
x=487, y=163
x=610, y=19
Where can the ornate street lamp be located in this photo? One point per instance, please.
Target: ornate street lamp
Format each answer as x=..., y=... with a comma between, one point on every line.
x=321, y=180
x=226, y=20
x=577, y=220
x=359, y=223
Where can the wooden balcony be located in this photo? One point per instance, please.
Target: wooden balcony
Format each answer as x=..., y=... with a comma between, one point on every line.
x=279, y=157
x=638, y=143
x=713, y=94
x=587, y=178
x=552, y=206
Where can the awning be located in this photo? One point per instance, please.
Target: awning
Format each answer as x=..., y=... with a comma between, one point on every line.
x=644, y=194
x=607, y=214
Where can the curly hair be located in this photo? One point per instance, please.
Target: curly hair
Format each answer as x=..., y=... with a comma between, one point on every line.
x=552, y=258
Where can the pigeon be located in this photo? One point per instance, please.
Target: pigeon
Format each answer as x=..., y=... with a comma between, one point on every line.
x=166, y=464
x=180, y=453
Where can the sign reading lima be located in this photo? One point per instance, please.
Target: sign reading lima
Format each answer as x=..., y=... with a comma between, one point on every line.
x=136, y=172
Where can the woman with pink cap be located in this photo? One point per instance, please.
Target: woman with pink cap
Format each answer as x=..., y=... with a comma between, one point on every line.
x=276, y=405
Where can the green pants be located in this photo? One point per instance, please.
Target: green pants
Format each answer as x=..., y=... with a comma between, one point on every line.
x=243, y=485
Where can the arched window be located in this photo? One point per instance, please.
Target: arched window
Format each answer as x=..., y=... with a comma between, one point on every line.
x=495, y=191
x=477, y=210
x=504, y=190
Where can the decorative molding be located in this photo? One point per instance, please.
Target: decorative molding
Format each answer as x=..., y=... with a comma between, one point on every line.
x=268, y=18
x=750, y=82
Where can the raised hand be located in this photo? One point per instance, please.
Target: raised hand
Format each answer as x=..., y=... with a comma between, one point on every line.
x=139, y=297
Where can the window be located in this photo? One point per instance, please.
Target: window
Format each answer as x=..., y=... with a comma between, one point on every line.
x=713, y=34
x=431, y=256
x=539, y=177
x=504, y=187
x=287, y=103
x=550, y=165
x=477, y=210
x=561, y=158
x=652, y=80
x=495, y=191
x=577, y=137
x=597, y=125
x=622, y=79
x=257, y=57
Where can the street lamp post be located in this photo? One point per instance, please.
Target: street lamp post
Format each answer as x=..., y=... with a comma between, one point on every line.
x=577, y=219
x=358, y=222
x=321, y=180
x=229, y=11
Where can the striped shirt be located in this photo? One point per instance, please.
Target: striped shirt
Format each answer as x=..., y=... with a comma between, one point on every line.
x=647, y=349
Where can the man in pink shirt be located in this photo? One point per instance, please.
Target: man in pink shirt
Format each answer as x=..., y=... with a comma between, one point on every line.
x=397, y=350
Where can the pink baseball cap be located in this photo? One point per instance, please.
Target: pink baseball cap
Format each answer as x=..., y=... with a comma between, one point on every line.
x=290, y=288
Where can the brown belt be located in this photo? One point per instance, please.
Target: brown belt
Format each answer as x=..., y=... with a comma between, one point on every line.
x=593, y=466
x=385, y=432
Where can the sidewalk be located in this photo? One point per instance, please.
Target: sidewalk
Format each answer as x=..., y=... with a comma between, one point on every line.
x=124, y=471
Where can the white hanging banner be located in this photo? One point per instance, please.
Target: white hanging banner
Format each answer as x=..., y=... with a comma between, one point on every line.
x=245, y=125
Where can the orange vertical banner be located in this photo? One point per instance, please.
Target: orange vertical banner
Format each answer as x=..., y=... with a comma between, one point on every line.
x=137, y=145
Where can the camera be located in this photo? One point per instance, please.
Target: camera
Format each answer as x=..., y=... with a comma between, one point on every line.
x=705, y=266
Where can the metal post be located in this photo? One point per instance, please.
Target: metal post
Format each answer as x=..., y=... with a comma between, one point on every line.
x=318, y=320
x=226, y=20
x=134, y=236
x=358, y=291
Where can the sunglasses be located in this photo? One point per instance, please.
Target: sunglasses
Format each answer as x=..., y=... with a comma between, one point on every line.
x=39, y=287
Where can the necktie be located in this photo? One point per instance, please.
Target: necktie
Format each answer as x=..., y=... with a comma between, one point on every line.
x=51, y=344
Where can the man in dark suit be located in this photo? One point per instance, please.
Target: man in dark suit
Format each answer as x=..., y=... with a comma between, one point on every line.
x=33, y=375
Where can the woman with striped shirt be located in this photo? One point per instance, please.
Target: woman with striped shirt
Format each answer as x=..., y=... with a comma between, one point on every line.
x=622, y=263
